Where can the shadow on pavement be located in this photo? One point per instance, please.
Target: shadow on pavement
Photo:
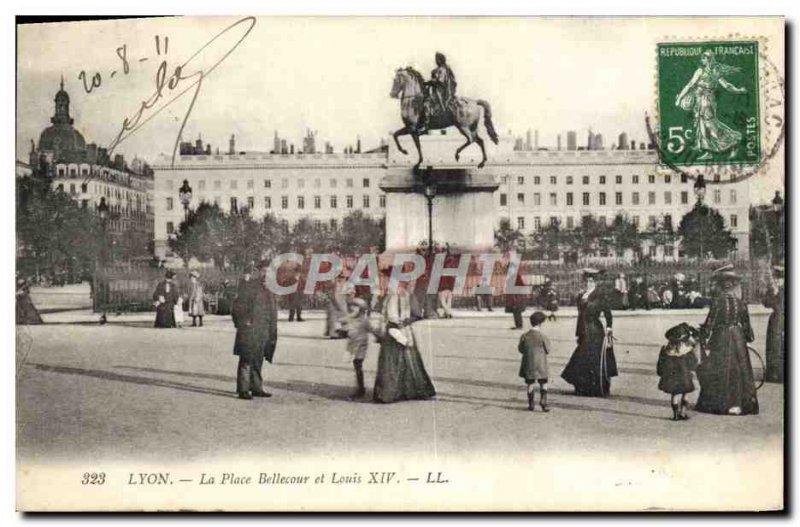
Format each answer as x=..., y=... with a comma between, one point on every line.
x=111, y=376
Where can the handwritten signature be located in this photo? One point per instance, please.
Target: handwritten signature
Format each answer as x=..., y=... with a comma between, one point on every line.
x=172, y=85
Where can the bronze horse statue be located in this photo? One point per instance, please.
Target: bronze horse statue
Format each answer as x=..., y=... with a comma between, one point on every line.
x=463, y=113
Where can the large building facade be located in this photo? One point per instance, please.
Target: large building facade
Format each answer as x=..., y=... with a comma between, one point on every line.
x=536, y=188
x=86, y=172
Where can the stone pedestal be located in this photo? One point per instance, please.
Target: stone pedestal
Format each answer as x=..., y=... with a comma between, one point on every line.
x=463, y=207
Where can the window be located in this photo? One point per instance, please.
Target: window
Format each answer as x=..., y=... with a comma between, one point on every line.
x=349, y=201
x=85, y=188
x=537, y=223
x=170, y=228
x=635, y=179
x=602, y=198
x=652, y=223
x=668, y=222
x=667, y=198
x=301, y=183
x=234, y=205
x=569, y=199
x=717, y=196
x=553, y=199
x=553, y=221
x=520, y=198
x=503, y=200
x=317, y=183
x=521, y=223
x=669, y=251
x=635, y=220
x=668, y=178
x=234, y=184
x=365, y=182
x=333, y=202
x=618, y=198
x=585, y=180
x=569, y=180
x=684, y=197
x=684, y=178
x=651, y=251
x=61, y=173
x=537, y=180
x=201, y=185
x=284, y=202
x=317, y=202
x=520, y=180
x=334, y=223
x=333, y=183
x=365, y=201
x=267, y=183
x=635, y=198
x=169, y=201
x=73, y=172
x=84, y=171
x=732, y=195
x=267, y=202
x=349, y=182
x=618, y=180
x=301, y=202
x=537, y=199
x=382, y=201
x=602, y=180
x=72, y=188
x=570, y=222
x=553, y=180
x=602, y=220
x=734, y=221
x=217, y=184
x=716, y=177
x=284, y=183
x=651, y=178
x=217, y=200
x=250, y=184
x=586, y=198
x=251, y=202
x=651, y=198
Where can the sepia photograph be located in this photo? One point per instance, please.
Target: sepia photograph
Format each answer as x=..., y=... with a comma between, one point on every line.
x=400, y=263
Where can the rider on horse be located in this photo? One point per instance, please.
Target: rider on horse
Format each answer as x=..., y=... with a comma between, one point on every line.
x=442, y=90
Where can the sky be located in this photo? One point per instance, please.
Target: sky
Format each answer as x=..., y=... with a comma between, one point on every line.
x=333, y=75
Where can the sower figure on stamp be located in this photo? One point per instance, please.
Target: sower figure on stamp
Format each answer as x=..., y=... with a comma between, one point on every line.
x=165, y=297
x=255, y=315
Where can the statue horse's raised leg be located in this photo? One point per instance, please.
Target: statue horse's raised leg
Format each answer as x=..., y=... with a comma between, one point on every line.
x=415, y=137
x=465, y=132
x=403, y=131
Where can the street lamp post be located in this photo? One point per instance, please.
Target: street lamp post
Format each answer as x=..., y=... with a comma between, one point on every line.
x=185, y=195
x=777, y=210
x=430, y=194
x=700, y=193
x=102, y=213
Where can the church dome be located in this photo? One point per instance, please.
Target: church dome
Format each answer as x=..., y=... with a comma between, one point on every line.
x=61, y=138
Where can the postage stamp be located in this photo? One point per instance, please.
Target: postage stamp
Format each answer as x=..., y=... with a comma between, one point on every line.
x=708, y=99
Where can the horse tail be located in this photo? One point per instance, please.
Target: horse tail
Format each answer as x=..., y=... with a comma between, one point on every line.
x=487, y=120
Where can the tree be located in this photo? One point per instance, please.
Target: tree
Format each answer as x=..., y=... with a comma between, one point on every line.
x=551, y=241
x=507, y=238
x=703, y=233
x=205, y=235
x=625, y=235
x=765, y=234
x=55, y=235
x=358, y=233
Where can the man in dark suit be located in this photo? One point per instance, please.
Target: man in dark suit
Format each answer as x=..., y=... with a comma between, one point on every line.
x=255, y=315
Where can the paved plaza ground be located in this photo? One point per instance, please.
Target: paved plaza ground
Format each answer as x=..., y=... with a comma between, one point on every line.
x=127, y=391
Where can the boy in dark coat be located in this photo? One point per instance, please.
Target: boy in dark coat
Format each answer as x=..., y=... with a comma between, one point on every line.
x=675, y=365
x=534, y=347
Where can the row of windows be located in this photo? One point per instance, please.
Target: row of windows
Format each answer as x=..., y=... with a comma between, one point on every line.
x=652, y=222
x=602, y=180
x=333, y=202
x=603, y=197
x=250, y=184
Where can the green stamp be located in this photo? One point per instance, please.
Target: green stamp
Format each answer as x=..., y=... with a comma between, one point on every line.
x=708, y=103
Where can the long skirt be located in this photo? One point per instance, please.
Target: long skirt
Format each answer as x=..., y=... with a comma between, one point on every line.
x=590, y=370
x=27, y=314
x=165, y=316
x=401, y=374
x=726, y=375
x=775, y=347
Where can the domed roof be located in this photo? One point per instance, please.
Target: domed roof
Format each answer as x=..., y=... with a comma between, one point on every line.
x=61, y=138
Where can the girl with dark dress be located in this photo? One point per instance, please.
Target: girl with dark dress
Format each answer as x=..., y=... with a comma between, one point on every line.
x=165, y=297
x=401, y=373
x=725, y=374
x=592, y=363
x=675, y=365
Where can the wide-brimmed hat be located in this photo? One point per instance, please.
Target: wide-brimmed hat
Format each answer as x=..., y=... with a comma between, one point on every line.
x=170, y=273
x=724, y=268
x=680, y=332
x=679, y=276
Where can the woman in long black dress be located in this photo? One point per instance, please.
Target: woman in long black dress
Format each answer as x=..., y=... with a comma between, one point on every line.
x=592, y=364
x=401, y=373
x=776, y=343
x=725, y=373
